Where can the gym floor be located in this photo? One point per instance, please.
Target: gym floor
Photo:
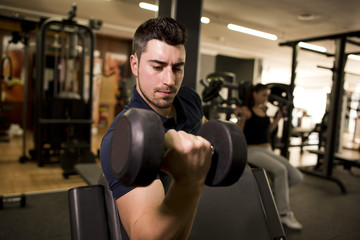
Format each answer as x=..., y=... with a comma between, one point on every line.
x=27, y=177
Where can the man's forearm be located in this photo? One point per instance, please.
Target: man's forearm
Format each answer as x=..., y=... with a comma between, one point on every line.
x=173, y=218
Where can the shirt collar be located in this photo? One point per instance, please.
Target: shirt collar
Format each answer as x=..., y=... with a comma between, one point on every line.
x=138, y=102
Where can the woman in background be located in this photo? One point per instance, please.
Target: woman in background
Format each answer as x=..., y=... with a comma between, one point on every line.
x=257, y=128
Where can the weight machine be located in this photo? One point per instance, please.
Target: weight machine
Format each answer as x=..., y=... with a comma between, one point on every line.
x=213, y=84
x=63, y=92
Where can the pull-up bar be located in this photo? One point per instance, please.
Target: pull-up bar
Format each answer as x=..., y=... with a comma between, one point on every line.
x=327, y=37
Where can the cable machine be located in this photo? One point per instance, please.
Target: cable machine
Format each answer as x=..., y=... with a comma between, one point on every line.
x=213, y=84
x=63, y=92
x=337, y=92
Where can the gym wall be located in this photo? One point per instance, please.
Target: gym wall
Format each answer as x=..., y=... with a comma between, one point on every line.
x=245, y=69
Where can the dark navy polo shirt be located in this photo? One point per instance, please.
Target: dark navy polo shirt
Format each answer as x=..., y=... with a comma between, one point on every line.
x=189, y=118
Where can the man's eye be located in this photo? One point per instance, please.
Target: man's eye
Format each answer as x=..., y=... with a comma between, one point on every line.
x=158, y=68
x=177, y=70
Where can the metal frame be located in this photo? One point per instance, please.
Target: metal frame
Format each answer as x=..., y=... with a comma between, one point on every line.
x=40, y=121
x=335, y=99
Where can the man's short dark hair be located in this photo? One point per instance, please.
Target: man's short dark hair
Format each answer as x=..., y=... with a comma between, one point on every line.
x=165, y=29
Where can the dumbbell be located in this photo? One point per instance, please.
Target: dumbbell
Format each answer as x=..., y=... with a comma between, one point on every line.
x=137, y=149
x=12, y=200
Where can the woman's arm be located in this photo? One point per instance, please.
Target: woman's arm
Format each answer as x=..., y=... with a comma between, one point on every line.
x=244, y=114
x=275, y=122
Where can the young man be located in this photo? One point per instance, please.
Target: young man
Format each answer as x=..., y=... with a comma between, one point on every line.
x=157, y=62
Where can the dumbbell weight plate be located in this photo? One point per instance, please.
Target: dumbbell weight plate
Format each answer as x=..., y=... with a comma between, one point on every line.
x=230, y=152
x=137, y=147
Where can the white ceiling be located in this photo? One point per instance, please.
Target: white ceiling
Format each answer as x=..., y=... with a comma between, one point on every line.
x=279, y=17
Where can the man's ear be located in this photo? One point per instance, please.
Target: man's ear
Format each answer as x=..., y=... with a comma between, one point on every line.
x=134, y=64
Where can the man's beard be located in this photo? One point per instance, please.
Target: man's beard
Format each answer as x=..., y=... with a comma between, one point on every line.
x=158, y=103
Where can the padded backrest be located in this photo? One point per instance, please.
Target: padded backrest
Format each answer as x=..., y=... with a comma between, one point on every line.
x=88, y=213
x=235, y=212
x=93, y=213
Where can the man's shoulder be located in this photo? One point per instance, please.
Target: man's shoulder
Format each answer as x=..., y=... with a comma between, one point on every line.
x=188, y=92
x=187, y=89
x=189, y=96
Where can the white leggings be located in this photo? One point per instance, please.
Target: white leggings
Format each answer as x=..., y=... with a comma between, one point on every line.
x=283, y=174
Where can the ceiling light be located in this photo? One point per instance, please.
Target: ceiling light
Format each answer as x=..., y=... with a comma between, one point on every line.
x=312, y=47
x=205, y=20
x=251, y=32
x=149, y=6
x=354, y=57
x=307, y=17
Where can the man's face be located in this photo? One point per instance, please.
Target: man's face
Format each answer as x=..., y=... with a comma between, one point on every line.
x=159, y=73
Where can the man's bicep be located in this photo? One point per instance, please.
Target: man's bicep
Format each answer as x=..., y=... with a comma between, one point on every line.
x=139, y=201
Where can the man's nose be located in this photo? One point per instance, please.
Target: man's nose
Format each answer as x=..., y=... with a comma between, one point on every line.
x=169, y=76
